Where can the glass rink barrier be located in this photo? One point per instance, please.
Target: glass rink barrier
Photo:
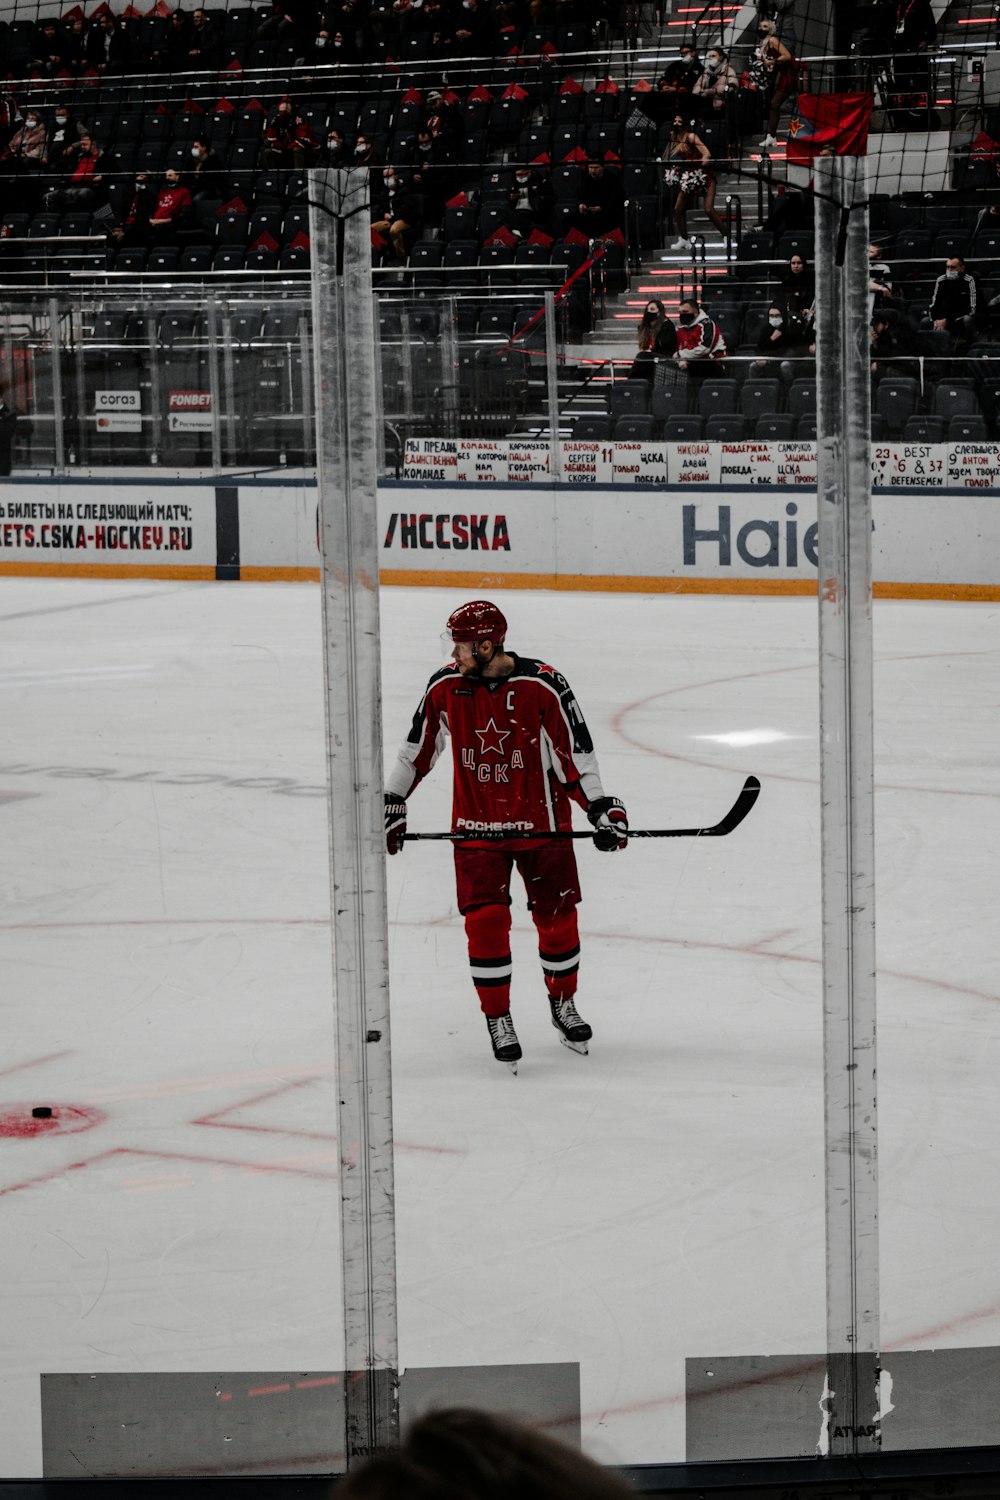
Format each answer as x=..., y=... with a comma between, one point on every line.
x=748, y=1212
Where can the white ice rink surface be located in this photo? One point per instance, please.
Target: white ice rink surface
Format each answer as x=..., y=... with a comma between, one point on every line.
x=164, y=971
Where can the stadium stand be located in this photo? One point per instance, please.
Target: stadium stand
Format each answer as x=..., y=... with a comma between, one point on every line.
x=479, y=125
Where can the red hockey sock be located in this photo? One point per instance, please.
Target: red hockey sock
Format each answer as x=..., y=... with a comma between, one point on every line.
x=559, y=951
x=488, y=931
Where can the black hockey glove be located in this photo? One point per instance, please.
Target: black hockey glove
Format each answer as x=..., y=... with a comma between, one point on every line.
x=395, y=822
x=610, y=822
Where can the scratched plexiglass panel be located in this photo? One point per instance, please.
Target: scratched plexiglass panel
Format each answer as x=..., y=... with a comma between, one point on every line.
x=169, y=1233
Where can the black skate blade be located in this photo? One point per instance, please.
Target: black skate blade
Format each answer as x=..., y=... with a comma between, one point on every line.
x=513, y=1067
x=580, y=1047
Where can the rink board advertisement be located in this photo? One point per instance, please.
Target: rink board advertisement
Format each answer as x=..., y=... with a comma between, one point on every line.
x=80, y=528
x=648, y=517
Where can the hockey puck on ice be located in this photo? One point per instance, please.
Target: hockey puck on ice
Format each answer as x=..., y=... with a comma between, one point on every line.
x=25, y=1121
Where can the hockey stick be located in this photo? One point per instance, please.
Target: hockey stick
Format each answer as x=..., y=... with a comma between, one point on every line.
x=734, y=817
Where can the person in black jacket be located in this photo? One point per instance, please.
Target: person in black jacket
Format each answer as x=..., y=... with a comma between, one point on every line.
x=601, y=208
x=396, y=212
x=8, y=431
x=108, y=48
x=955, y=304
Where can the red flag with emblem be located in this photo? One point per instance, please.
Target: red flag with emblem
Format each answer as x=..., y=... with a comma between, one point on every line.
x=835, y=124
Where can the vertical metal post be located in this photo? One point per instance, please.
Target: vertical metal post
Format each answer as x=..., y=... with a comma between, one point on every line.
x=80, y=384
x=308, y=402
x=58, y=406
x=552, y=385
x=155, y=389
x=228, y=412
x=343, y=344
x=214, y=383
x=450, y=375
x=846, y=759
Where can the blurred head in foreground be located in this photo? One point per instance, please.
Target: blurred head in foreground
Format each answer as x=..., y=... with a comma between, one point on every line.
x=471, y=1455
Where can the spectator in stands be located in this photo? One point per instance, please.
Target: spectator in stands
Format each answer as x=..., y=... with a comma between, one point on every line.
x=364, y=154
x=913, y=34
x=479, y=1456
x=444, y=121
x=687, y=159
x=288, y=138
x=955, y=304
x=75, y=45
x=782, y=338
x=25, y=151
x=207, y=176
x=654, y=316
x=530, y=201
x=334, y=152
x=343, y=48
x=880, y=283
x=82, y=187
x=173, y=55
x=897, y=348
x=676, y=84
x=8, y=432
x=109, y=49
x=157, y=211
x=797, y=292
x=472, y=34
x=601, y=208
x=715, y=84
x=652, y=324
x=205, y=49
x=62, y=133
x=48, y=50
x=396, y=213
x=699, y=340
x=772, y=71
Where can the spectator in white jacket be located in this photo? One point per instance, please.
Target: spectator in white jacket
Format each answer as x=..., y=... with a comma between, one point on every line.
x=717, y=80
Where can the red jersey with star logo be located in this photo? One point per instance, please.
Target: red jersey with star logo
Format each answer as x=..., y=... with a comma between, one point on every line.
x=520, y=748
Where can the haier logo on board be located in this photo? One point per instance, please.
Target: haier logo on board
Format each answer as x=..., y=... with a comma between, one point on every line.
x=447, y=532
x=759, y=544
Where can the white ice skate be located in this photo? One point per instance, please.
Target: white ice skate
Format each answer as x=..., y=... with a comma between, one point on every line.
x=506, y=1047
x=573, y=1030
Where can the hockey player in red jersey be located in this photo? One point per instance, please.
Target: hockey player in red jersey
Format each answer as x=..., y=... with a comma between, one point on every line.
x=521, y=753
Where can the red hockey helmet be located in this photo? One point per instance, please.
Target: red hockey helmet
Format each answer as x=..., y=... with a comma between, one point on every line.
x=477, y=621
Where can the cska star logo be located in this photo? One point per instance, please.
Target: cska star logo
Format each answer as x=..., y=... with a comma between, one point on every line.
x=492, y=739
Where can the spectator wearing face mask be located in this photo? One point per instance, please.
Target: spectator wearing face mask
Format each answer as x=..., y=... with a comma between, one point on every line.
x=656, y=337
x=956, y=302
x=364, y=154
x=25, y=150
x=716, y=82
x=530, y=200
x=397, y=214
x=699, y=340
x=62, y=133
x=782, y=338
x=207, y=175
x=334, y=152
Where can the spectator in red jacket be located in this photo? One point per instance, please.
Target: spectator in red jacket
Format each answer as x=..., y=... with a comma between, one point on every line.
x=156, y=214
x=699, y=339
x=288, y=140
